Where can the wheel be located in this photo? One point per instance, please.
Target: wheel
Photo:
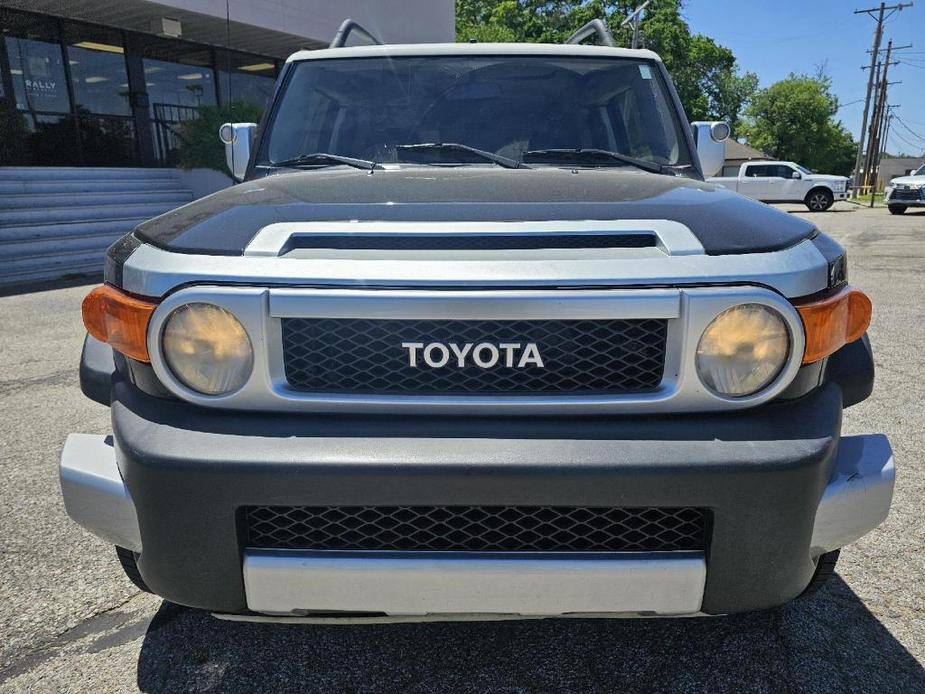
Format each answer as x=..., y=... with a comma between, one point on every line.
x=129, y=562
x=825, y=567
x=897, y=209
x=819, y=200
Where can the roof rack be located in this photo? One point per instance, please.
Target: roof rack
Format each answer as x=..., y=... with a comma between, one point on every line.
x=595, y=26
x=346, y=28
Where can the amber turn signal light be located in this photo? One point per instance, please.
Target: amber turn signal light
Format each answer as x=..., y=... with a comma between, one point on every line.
x=833, y=321
x=119, y=319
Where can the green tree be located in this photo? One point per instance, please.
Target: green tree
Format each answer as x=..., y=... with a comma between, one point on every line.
x=706, y=75
x=794, y=119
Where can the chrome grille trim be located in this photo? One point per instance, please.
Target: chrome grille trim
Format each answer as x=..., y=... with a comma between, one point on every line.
x=688, y=311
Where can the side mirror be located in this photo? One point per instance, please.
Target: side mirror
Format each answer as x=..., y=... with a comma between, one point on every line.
x=796, y=175
x=237, y=138
x=711, y=137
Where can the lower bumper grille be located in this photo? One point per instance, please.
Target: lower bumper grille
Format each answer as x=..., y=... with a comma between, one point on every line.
x=579, y=356
x=476, y=528
x=907, y=195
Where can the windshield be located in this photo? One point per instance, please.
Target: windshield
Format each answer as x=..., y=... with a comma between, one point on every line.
x=804, y=169
x=366, y=108
x=920, y=172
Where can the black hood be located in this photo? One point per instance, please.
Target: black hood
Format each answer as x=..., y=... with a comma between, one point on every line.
x=224, y=223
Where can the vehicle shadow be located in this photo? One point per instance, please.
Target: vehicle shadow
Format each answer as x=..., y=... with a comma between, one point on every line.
x=48, y=285
x=829, y=642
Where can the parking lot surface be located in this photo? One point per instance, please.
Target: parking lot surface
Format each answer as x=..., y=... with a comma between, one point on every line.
x=70, y=621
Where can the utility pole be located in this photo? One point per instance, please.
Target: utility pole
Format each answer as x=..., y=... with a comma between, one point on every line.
x=886, y=129
x=869, y=135
x=870, y=162
x=881, y=11
x=874, y=145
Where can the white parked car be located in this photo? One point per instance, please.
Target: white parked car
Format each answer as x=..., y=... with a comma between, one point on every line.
x=906, y=191
x=786, y=181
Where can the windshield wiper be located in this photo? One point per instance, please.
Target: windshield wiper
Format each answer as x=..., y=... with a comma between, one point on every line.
x=327, y=159
x=592, y=156
x=437, y=147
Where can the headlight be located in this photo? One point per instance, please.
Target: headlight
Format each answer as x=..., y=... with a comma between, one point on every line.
x=743, y=350
x=207, y=349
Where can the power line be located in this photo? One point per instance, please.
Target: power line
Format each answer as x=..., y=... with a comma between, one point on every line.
x=911, y=131
x=915, y=146
x=849, y=103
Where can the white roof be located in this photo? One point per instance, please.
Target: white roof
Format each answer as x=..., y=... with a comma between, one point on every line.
x=434, y=49
x=770, y=161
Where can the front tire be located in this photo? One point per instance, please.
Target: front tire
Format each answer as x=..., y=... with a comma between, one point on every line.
x=897, y=209
x=819, y=200
x=825, y=568
x=129, y=561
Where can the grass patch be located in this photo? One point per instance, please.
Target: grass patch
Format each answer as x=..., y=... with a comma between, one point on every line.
x=865, y=199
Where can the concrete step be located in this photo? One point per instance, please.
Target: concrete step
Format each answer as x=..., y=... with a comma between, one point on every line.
x=77, y=173
x=87, y=185
x=62, y=266
x=66, y=231
x=46, y=250
x=55, y=200
x=58, y=215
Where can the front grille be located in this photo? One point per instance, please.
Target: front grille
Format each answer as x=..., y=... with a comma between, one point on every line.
x=579, y=356
x=912, y=194
x=476, y=528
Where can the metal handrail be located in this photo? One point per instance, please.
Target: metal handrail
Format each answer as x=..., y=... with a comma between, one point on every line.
x=346, y=28
x=595, y=26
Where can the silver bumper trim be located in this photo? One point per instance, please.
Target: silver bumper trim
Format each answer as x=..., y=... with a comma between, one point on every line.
x=348, y=619
x=298, y=583
x=94, y=494
x=857, y=498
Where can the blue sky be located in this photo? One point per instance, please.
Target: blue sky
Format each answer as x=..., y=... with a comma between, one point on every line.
x=775, y=37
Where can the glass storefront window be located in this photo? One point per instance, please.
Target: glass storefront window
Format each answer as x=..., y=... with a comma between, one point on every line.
x=244, y=77
x=65, y=96
x=107, y=141
x=179, y=80
x=97, y=61
x=37, y=69
x=178, y=75
x=49, y=140
x=36, y=63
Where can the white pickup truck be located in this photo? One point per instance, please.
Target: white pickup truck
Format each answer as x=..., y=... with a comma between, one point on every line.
x=785, y=181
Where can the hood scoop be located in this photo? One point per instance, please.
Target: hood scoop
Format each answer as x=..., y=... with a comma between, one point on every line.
x=436, y=240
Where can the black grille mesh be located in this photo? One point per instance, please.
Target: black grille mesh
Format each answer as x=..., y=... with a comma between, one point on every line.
x=580, y=356
x=908, y=194
x=475, y=528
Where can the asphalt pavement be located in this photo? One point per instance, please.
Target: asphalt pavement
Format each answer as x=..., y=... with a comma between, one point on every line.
x=70, y=621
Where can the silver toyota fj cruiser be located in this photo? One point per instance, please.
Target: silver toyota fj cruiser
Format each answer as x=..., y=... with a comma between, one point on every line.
x=474, y=337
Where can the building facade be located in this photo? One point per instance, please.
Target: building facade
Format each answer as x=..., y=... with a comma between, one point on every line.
x=894, y=167
x=103, y=83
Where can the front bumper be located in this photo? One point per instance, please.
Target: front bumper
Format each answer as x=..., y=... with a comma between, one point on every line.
x=780, y=487
x=905, y=198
